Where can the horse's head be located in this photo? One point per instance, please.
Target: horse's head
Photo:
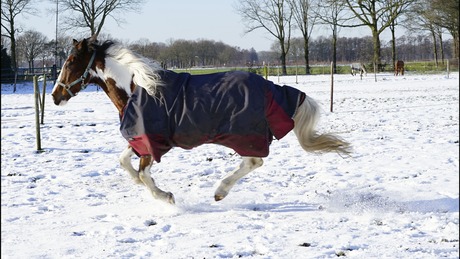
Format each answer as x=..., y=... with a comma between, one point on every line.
x=75, y=73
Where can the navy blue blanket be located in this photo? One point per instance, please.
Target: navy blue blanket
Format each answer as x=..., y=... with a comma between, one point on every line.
x=239, y=110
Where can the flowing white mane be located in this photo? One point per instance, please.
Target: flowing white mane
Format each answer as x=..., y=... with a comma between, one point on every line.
x=123, y=64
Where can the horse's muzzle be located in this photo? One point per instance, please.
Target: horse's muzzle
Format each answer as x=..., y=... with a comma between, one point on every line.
x=59, y=100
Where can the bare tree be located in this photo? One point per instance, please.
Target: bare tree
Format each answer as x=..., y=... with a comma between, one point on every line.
x=92, y=14
x=31, y=44
x=64, y=47
x=148, y=49
x=305, y=19
x=394, y=12
x=275, y=16
x=10, y=10
x=420, y=19
x=371, y=13
x=446, y=15
x=334, y=14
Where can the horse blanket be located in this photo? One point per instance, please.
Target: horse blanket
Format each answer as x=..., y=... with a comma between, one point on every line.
x=239, y=110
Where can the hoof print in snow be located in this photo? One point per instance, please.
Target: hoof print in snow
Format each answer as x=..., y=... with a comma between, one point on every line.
x=340, y=253
x=149, y=223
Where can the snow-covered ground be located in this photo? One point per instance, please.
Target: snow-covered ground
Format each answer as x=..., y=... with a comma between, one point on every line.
x=397, y=196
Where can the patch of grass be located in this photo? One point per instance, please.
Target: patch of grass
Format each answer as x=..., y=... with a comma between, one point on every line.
x=428, y=67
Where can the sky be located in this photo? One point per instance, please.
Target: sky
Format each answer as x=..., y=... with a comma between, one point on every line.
x=396, y=196
x=161, y=21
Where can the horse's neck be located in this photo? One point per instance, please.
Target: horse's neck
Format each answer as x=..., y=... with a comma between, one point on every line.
x=118, y=96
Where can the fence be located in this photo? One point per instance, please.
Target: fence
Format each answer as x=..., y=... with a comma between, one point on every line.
x=27, y=74
x=39, y=109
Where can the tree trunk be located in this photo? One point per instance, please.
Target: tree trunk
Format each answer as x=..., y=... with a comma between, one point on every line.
x=393, y=47
x=441, y=46
x=376, y=41
x=455, y=46
x=334, y=48
x=435, y=47
x=14, y=63
x=306, y=56
x=283, y=58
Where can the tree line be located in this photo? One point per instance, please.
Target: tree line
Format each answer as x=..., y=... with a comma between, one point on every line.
x=281, y=17
x=34, y=50
x=428, y=19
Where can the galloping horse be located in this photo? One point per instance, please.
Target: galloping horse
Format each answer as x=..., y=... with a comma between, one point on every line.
x=161, y=109
x=399, y=67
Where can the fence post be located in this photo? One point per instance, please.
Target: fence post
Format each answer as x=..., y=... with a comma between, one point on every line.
x=332, y=85
x=37, y=122
x=43, y=99
x=296, y=72
x=265, y=70
x=448, y=69
x=278, y=73
x=15, y=80
x=375, y=72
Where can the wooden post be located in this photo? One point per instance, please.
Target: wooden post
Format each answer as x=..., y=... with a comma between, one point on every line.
x=332, y=86
x=37, y=121
x=278, y=73
x=375, y=72
x=268, y=70
x=296, y=72
x=265, y=71
x=43, y=99
x=448, y=69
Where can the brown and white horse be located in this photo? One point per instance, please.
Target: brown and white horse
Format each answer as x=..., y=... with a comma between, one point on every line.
x=118, y=71
x=399, y=67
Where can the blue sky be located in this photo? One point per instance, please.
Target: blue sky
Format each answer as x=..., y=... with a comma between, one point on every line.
x=161, y=21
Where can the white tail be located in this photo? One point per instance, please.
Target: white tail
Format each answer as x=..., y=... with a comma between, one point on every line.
x=304, y=128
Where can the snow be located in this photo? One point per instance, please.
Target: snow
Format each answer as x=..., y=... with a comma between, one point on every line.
x=397, y=195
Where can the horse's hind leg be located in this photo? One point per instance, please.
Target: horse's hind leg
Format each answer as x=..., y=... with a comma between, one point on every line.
x=247, y=165
x=144, y=174
x=125, y=162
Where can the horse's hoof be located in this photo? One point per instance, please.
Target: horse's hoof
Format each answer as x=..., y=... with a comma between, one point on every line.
x=170, y=199
x=218, y=197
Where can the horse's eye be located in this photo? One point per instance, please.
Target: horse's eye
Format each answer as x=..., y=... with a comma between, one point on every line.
x=70, y=62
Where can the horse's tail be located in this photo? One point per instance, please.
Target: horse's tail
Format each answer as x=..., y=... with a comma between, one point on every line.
x=305, y=121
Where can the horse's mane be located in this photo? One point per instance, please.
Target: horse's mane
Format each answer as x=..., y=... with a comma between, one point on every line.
x=145, y=71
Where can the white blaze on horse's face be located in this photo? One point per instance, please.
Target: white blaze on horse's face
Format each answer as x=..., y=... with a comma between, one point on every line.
x=59, y=101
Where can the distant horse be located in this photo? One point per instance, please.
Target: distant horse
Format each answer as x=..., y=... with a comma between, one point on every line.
x=161, y=109
x=399, y=67
x=358, y=68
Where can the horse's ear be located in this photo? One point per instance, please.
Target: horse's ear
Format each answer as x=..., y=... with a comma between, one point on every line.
x=79, y=45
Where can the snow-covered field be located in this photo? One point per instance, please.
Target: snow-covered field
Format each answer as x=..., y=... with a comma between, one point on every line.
x=397, y=196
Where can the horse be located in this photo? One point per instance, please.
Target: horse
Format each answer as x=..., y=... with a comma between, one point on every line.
x=358, y=68
x=239, y=110
x=399, y=67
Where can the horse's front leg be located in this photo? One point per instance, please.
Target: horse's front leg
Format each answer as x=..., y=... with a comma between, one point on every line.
x=248, y=165
x=125, y=162
x=144, y=174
